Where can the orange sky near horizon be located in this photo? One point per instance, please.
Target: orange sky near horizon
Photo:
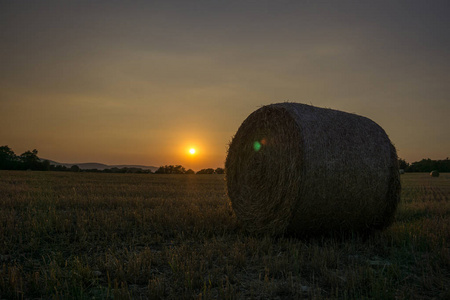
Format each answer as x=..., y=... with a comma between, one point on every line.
x=143, y=82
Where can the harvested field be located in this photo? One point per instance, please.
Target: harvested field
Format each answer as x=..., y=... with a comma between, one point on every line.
x=146, y=236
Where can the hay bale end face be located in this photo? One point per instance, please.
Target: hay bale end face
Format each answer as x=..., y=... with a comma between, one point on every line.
x=307, y=170
x=434, y=173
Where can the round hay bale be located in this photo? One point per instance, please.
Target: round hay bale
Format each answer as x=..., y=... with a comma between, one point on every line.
x=434, y=173
x=296, y=168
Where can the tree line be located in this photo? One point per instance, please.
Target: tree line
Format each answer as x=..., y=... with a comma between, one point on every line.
x=26, y=161
x=425, y=165
x=178, y=169
x=29, y=160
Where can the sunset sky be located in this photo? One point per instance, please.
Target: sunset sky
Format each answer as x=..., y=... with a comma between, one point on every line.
x=142, y=82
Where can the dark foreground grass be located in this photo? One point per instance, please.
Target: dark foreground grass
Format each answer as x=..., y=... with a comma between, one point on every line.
x=141, y=236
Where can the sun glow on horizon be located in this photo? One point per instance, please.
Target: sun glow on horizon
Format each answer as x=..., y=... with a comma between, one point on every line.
x=192, y=151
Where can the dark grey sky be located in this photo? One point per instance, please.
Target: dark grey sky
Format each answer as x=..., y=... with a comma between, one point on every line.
x=142, y=81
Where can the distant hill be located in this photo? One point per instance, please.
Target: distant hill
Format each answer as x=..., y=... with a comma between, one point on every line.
x=99, y=166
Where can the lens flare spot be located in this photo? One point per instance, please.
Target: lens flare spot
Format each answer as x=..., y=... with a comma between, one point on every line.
x=256, y=146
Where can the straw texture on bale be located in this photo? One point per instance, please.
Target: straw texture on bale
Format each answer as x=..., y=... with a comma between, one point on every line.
x=296, y=168
x=434, y=173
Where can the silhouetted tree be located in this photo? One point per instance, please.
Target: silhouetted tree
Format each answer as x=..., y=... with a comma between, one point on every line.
x=190, y=171
x=75, y=168
x=45, y=165
x=171, y=169
x=206, y=171
x=402, y=164
x=30, y=160
x=219, y=171
x=8, y=159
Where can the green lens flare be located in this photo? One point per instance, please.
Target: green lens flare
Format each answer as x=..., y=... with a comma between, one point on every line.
x=256, y=146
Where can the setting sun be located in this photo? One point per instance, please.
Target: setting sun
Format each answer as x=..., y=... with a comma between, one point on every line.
x=192, y=151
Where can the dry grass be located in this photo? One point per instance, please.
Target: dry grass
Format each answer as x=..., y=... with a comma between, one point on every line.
x=307, y=170
x=131, y=236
